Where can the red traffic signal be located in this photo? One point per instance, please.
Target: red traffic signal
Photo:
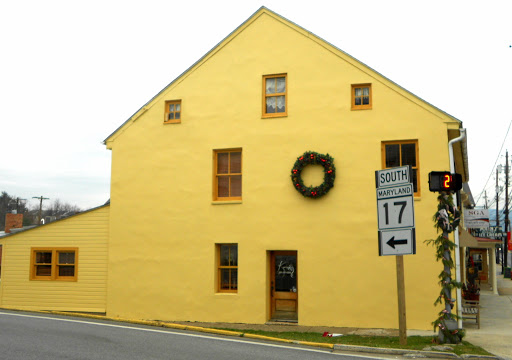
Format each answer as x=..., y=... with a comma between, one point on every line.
x=444, y=181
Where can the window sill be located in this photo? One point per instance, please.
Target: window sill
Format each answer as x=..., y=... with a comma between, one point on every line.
x=361, y=108
x=172, y=122
x=274, y=116
x=65, y=280
x=226, y=293
x=226, y=202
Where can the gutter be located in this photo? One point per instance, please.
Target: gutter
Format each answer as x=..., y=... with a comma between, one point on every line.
x=455, y=231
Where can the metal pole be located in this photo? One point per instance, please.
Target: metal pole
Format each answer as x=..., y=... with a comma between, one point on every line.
x=505, y=249
x=497, y=200
x=497, y=211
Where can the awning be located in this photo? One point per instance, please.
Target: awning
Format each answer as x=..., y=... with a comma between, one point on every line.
x=466, y=239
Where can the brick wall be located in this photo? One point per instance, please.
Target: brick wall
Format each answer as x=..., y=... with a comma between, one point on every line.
x=13, y=221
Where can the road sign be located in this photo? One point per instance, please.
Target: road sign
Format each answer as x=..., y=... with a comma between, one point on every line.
x=397, y=242
x=394, y=176
x=395, y=211
x=395, y=207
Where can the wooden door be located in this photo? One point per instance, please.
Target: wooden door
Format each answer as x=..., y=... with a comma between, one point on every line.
x=284, y=286
x=478, y=261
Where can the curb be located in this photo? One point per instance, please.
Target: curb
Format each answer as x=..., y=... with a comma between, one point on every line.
x=340, y=347
x=388, y=351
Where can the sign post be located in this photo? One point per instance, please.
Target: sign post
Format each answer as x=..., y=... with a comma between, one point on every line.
x=395, y=212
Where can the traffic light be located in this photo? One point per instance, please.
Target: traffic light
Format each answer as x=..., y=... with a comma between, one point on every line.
x=444, y=181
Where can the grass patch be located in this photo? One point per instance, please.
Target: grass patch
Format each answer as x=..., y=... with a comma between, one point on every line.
x=392, y=342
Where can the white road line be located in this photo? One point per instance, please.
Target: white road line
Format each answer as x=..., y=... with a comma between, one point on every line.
x=184, y=334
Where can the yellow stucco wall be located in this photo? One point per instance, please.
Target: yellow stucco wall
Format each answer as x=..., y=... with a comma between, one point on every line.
x=164, y=225
x=89, y=233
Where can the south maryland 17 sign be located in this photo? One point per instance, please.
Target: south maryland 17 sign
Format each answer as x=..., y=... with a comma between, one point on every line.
x=395, y=211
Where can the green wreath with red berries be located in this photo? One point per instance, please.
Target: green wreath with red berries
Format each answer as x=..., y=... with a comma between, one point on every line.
x=313, y=158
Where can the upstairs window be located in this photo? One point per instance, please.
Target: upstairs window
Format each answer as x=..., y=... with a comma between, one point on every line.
x=54, y=264
x=402, y=153
x=274, y=95
x=227, y=174
x=172, y=112
x=361, y=97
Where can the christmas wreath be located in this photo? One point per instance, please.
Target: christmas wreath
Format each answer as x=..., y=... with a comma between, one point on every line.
x=308, y=158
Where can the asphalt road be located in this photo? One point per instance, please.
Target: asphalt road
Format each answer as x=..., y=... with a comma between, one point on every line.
x=30, y=336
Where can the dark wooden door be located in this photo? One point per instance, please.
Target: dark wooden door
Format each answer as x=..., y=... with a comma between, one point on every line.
x=284, y=286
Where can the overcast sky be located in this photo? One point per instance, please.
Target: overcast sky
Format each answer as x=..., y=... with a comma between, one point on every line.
x=71, y=72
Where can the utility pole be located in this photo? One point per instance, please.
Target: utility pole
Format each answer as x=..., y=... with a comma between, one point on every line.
x=41, y=198
x=486, y=206
x=17, y=204
x=497, y=209
x=17, y=200
x=497, y=199
x=505, y=242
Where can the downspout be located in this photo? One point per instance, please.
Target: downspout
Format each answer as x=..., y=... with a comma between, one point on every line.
x=456, y=231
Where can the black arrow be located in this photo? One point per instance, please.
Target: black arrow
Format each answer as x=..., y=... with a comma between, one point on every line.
x=392, y=242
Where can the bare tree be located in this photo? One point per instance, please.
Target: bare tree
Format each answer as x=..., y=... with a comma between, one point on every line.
x=59, y=209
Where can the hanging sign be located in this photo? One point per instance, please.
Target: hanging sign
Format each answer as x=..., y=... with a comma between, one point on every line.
x=493, y=233
x=476, y=218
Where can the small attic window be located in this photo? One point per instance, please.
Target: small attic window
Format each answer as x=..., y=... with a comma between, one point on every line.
x=361, y=97
x=274, y=95
x=172, y=112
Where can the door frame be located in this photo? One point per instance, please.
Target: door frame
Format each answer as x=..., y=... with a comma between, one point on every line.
x=282, y=295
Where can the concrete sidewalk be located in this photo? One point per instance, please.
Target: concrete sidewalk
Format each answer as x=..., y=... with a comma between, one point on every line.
x=495, y=333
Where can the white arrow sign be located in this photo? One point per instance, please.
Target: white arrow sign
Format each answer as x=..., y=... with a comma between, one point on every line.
x=397, y=242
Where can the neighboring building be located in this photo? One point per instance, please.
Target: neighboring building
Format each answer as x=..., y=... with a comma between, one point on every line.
x=204, y=222
x=58, y=266
x=477, y=252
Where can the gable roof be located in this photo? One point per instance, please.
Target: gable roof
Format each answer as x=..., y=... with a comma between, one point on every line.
x=32, y=227
x=263, y=10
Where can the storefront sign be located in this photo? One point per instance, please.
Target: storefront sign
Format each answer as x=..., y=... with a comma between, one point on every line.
x=476, y=218
x=493, y=232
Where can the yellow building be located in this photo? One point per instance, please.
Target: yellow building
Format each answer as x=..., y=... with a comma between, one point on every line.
x=206, y=224
x=58, y=266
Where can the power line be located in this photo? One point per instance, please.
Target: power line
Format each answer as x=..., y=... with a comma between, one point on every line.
x=493, y=201
x=497, y=158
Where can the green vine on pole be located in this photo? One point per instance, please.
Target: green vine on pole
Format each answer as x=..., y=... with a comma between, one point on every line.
x=446, y=220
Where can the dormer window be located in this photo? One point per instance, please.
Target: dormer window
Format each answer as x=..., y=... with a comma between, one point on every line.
x=274, y=95
x=172, y=112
